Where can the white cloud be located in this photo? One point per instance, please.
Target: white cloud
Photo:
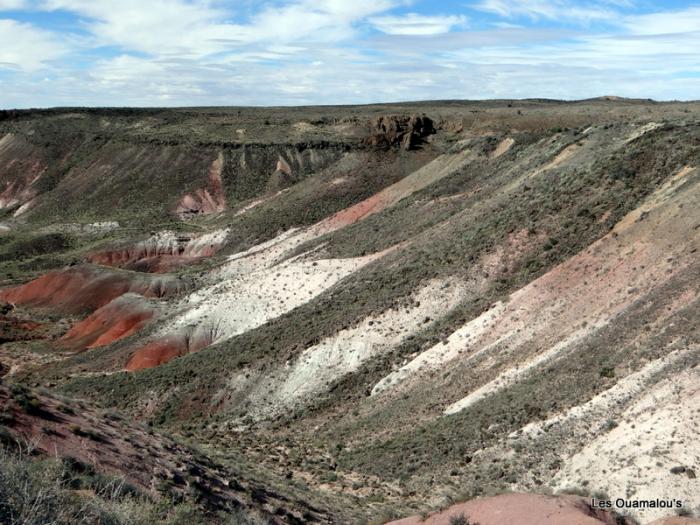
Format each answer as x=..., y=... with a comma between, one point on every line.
x=417, y=25
x=684, y=21
x=613, y=54
x=340, y=76
x=195, y=52
x=198, y=28
x=331, y=20
x=9, y=5
x=549, y=9
x=23, y=46
x=156, y=27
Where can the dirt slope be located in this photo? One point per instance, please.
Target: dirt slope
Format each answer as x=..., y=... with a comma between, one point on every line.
x=155, y=464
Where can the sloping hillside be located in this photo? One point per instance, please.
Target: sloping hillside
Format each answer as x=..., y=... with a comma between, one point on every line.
x=95, y=445
x=381, y=310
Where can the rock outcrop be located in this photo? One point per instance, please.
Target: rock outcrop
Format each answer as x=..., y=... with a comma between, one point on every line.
x=207, y=200
x=161, y=252
x=400, y=130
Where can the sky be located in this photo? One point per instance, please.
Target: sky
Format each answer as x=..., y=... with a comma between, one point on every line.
x=299, y=52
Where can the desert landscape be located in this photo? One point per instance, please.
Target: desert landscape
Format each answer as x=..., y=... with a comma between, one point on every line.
x=435, y=312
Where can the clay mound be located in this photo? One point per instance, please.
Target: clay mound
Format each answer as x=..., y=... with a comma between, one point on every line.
x=122, y=317
x=520, y=509
x=205, y=201
x=161, y=252
x=166, y=349
x=156, y=353
x=80, y=289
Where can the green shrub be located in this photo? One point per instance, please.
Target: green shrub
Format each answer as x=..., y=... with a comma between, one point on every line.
x=29, y=404
x=607, y=371
x=610, y=424
x=25, y=399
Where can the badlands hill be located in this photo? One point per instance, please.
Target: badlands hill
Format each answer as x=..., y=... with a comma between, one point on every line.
x=356, y=314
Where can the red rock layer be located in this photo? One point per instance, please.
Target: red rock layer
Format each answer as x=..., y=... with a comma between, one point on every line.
x=358, y=211
x=120, y=318
x=157, y=255
x=166, y=349
x=520, y=509
x=81, y=289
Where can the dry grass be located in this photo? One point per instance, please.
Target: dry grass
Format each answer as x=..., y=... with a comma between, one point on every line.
x=49, y=491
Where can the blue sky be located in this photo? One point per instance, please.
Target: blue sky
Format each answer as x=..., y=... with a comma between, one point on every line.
x=245, y=52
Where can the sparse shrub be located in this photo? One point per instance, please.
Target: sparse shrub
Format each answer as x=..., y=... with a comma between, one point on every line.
x=65, y=409
x=48, y=431
x=547, y=246
x=7, y=439
x=607, y=372
x=459, y=519
x=6, y=418
x=621, y=173
x=610, y=424
x=600, y=495
x=29, y=404
x=39, y=491
x=577, y=491
x=25, y=399
x=86, y=432
x=113, y=416
x=685, y=512
x=329, y=477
